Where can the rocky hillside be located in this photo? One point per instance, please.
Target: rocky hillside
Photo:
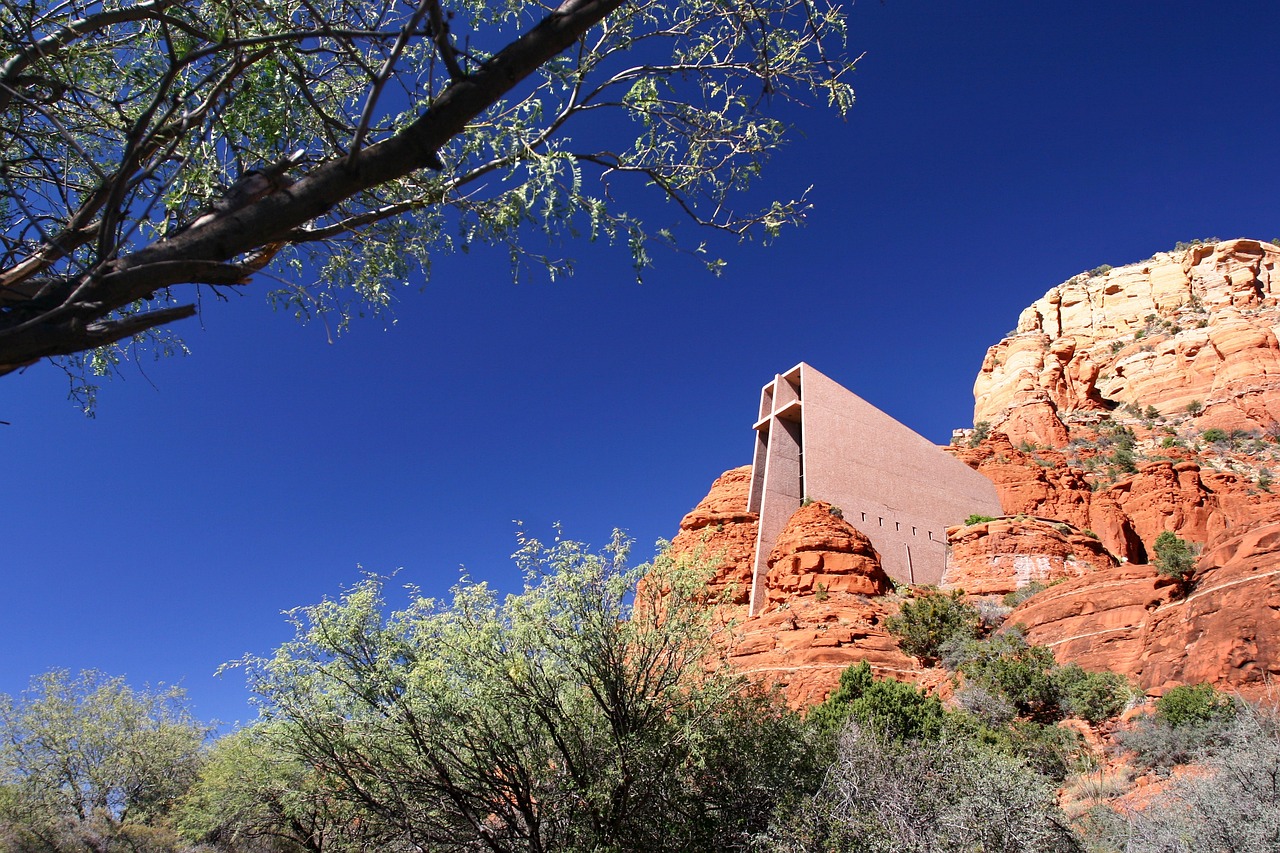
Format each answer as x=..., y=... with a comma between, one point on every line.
x=1128, y=402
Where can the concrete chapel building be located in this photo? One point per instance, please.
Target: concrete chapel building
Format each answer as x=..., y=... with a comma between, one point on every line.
x=816, y=439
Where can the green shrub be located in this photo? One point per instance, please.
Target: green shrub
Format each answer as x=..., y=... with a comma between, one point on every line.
x=1123, y=437
x=1048, y=749
x=1092, y=696
x=1190, y=704
x=1194, y=408
x=1123, y=459
x=1006, y=663
x=978, y=519
x=1158, y=746
x=1175, y=557
x=922, y=626
x=1264, y=480
x=1231, y=803
x=895, y=711
x=981, y=430
x=1213, y=435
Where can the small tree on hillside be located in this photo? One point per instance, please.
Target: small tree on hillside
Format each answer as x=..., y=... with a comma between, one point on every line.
x=923, y=625
x=894, y=710
x=1175, y=557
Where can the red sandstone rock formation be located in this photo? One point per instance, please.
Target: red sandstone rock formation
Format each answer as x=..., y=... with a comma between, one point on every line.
x=999, y=556
x=1195, y=502
x=1225, y=630
x=825, y=594
x=1189, y=325
x=819, y=553
x=723, y=533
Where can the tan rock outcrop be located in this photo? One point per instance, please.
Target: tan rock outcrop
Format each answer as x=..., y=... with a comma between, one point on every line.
x=1196, y=324
x=999, y=556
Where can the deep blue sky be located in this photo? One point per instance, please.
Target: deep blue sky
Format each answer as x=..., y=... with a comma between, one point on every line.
x=996, y=149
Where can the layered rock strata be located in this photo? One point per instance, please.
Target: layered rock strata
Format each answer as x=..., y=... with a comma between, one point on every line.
x=1192, y=326
x=1224, y=629
x=999, y=556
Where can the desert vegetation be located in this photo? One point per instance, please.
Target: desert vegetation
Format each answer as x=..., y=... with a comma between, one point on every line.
x=593, y=711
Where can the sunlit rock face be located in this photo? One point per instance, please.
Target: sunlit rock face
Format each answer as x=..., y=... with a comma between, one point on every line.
x=1196, y=325
x=1223, y=630
x=1191, y=493
x=1128, y=402
x=1005, y=554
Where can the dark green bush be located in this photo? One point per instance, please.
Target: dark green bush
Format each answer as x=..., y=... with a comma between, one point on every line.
x=1192, y=704
x=1175, y=558
x=1008, y=664
x=1123, y=459
x=1049, y=750
x=1092, y=696
x=1213, y=435
x=896, y=711
x=978, y=519
x=922, y=626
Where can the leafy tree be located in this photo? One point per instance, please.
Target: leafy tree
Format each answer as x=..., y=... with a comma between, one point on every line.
x=925, y=624
x=1175, y=557
x=195, y=142
x=895, y=710
x=568, y=717
x=88, y=763
x=249, y=792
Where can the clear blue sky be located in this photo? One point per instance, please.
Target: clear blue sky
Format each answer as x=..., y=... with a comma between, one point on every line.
x=996, y=149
